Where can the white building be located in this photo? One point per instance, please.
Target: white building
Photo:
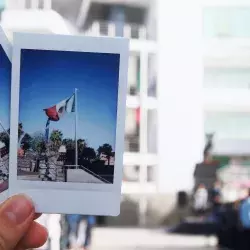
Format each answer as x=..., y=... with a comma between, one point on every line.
x=108, y=160
x=188, y=75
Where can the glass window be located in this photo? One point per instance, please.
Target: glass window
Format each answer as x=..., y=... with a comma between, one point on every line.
x=134, y=74
x=2, y=4
x=226, y=22
x=131, y=173
x=152, y=131
x=152, y=80
x=132, y=128
x=151, y=172
x=227, y=78
x=228, y=125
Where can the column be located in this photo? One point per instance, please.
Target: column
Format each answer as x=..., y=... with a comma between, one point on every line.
x=47, y=4
x=35, y=4
x=117, y=16
x=143, y=133
x=180, y=76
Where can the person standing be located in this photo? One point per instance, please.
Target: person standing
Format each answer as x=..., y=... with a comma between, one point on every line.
x=79, y=234
x=244, y=214
x=91, y=221
x=73, y=221
x=201, y=199
x=216, y=199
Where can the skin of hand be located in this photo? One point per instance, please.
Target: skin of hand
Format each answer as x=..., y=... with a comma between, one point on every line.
x=18, y=230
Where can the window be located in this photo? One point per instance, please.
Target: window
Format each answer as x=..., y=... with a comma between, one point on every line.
x=131, y=173
x=151, y=173
x=134, y=74
x=132, y=130
x=152, y=80
x=227, y=78
x=226, y=22
x=152, y=131
x=2, y=4
x=228, y=125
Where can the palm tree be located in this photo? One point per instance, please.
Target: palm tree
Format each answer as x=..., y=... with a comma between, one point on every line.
x=56, y=138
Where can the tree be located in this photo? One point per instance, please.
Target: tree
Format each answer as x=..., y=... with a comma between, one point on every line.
x=81, y=145
x=24, y=139
x=26, y=142
x=38, y=143
x=4, y=137
x=105, y=149
x=69, y=143
x=88, y=153
x=70, y=147
x=56, y=139
x=20, y=130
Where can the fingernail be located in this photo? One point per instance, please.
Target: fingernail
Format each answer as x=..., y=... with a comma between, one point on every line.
x=18, y=209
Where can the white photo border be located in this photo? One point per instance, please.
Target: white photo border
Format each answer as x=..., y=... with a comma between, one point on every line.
x=7, y=47
x=99, y=199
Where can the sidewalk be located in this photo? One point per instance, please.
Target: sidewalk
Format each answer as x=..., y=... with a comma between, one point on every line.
x=109, y=238
x=147, y=239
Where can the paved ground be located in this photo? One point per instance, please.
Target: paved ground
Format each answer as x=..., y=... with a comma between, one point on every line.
x=74, y=175
x=128, y=238
x=146, y=239
x=81, y=176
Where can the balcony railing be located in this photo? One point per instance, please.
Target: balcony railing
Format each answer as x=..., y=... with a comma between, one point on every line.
x=28, y=4
x=102, y=28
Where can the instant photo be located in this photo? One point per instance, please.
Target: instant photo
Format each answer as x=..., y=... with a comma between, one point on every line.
x=67, y=116
x=5, y=82
x=70, y=126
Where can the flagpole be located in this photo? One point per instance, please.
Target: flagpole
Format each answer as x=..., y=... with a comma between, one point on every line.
x=4, y=129
x=76, y=120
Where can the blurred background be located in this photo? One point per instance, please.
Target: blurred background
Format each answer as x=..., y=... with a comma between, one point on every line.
x=188, y=110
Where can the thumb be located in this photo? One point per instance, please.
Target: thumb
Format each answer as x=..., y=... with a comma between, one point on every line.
x=16, y=216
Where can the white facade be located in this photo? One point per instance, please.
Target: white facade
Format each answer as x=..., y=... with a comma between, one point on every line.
x=226, y=78
x=180, y=76
x=203, y=83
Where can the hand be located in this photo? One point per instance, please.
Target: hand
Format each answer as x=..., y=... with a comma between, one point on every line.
x=18, y=230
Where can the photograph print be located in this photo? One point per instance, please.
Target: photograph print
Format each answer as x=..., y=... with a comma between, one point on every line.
x=5, y=78
x=67, y=116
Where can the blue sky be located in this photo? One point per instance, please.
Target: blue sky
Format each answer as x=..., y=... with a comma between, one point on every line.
x=48, y=77
x=5, y=76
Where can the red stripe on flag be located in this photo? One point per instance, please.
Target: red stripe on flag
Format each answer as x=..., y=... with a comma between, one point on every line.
x=52, y=113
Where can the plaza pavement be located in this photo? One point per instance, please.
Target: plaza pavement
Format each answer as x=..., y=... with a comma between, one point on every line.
x=147, y=239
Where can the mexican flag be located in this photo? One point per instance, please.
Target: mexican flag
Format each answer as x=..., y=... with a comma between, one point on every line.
x=55, y=112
